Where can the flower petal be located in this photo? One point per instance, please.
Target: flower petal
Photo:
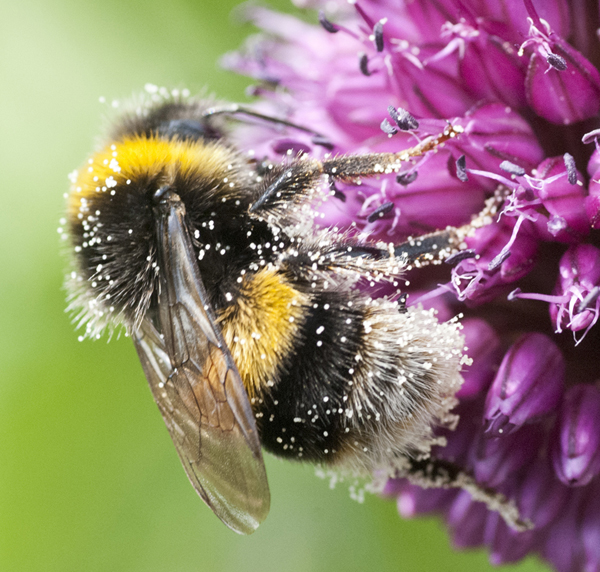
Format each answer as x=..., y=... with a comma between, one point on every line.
x=562, y=199
x=576, y=451
x=567, y=96
x=497, y=459
x=528, y=384
x=541, y=495
x=492, y=70
x=466, y=520
x=484, y=348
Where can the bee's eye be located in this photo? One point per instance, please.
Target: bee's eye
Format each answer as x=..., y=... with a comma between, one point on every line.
x=184, y=129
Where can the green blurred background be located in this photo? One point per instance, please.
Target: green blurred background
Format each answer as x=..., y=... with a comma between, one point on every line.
x=89, y=479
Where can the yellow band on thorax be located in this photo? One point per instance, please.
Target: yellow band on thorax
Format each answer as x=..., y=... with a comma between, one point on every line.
x=137, y=158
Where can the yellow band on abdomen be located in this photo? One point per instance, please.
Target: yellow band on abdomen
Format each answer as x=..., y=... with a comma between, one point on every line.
x=261, y=327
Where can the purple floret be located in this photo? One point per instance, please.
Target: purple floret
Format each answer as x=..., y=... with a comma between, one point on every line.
x=520, y=78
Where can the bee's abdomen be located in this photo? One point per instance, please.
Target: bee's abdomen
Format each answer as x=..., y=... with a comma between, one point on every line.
x=295, y=351
x=305, y=416
x=338, y=378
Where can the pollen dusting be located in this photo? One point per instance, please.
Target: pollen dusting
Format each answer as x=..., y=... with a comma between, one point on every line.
x=404, y=383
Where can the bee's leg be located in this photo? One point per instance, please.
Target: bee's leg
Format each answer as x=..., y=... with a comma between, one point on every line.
x=287, y=185
x=448, y=245
x=348, y=167
x=438, y=473
x=431, y=248
x=441, y=246
x=295, y=182
x=418, y=251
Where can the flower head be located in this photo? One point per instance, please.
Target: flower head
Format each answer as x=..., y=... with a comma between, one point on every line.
x=520, y=78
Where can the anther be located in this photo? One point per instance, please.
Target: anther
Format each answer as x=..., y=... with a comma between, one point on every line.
x=512, y=168
x=514, y=295
x=322, y=142
x=388, y=128
x=403, y=118
x=329, y=26
x=406, y=179
x=498, y=260
x=461, y=169
x=571, y=169
x=557, y=62
x=591, y=137
x=378, y=35
x=460, y=256
x=380, y=212
x=589, y=299
x=363, y=64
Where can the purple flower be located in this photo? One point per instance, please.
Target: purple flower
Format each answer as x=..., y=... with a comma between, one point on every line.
x=520, y=78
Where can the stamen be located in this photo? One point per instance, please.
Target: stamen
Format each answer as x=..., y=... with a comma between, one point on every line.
x=460, y=256
x=363, y=64
x=498, y=260
x=406, y=179
x=434, y=293
x=403, y=118
x=591, y=137
x=388, y=128
x=514, y=295
x=494, y=176
x=512, y=168
x=329, y=26
x=461, y=169
x=380, y=212
x=378, y=35
x=589, y=300
x=571, y=169
x=557, y=62
x=517, y=294
x=323, y=142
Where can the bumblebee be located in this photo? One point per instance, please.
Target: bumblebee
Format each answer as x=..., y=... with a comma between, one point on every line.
x=253, y=326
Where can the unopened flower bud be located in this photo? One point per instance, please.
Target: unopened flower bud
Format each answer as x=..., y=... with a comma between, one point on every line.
x=576, y=450
x=528, y=384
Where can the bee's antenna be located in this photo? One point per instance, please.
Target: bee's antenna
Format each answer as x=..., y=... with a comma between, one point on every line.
x=235, y=109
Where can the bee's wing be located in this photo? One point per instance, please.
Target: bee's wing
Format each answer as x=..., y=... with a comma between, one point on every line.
x=199, y=390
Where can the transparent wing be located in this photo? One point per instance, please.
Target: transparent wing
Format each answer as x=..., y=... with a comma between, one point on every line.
x=198, y=389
